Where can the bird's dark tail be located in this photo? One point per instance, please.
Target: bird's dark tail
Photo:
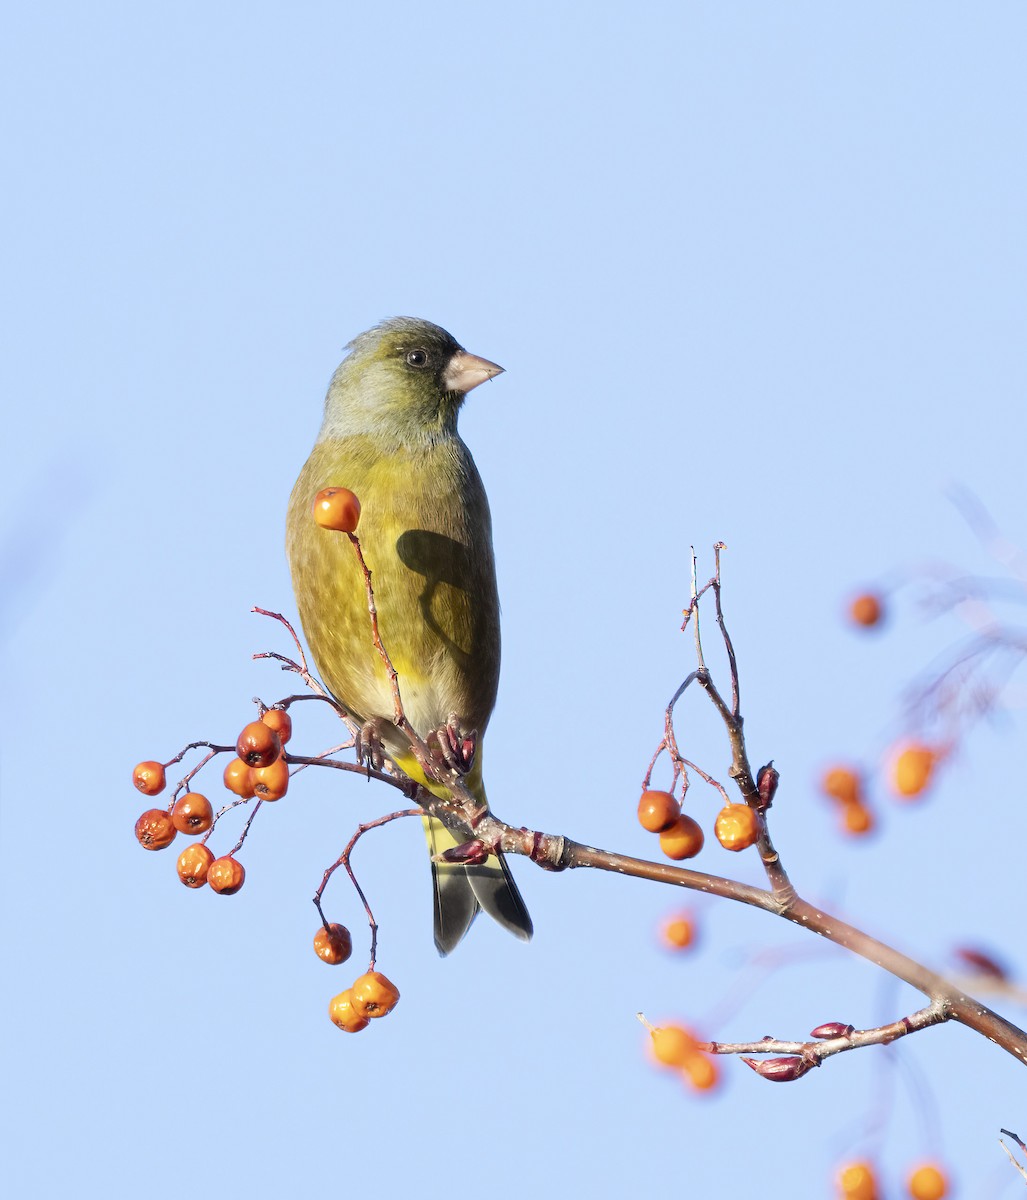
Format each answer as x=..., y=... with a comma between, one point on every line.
x=462, y=890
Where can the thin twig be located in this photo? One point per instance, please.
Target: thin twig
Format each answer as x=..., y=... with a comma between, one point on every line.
x=694, y=608
x=821, y=1049
x=276, y=616
x=725, y=636
x=221, y=812
x=245, y=829
x=344, y=861
x=1012, y=1159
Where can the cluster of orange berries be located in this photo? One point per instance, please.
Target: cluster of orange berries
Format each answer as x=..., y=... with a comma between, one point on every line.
x=260, y=770
x=737, y=826
x=846, y=786
x=911, y=765
x=673, y=1046
x=858, y=1181
x=911, y=770
x=369, y=997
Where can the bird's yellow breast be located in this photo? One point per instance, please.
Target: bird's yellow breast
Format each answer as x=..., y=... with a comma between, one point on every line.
x=426, y=535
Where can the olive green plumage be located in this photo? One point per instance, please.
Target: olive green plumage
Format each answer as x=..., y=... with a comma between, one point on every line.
x=390, y=435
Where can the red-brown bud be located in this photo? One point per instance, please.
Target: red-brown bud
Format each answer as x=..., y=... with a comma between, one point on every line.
x=473, y=853
x=781, y=1070
x=766, y=784
x=982, y=963
x=832, y=1029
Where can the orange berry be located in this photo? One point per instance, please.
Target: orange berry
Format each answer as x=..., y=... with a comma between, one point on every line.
x=226, y=875
x=857, y=819
x=913, y=768
x=672, y=1046
x=149, y=778
x=192, y=813
x=866, y=610
x=334, y=944
x=154, y=829
x=239, y=778
x=737, y=827
x=374, y=995
x=271, y=783
x=657, y=811
x=701, y=1071
x=258, y=744
x=343, y=1014
x=280, y=721
x=677, y=933
x=857, y=1181
x=684, y=839
x=193, y=864
x=928, y=1183
x=337, y=508
x=841, y=783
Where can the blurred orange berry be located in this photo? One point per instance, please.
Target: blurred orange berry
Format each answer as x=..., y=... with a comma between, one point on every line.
x=226, y=875
x=149, y=778
x=280, y=721
x=258, y=744
x=374, y=995
x=657, y=811
x=737, y=827
x=337, y=508
x=334, y=944
x=343, y=1014
x=672, y=1046
x=841, y=783
x=928, y=1183
x=193, y=864
x=239, y=778
x=678, y=932
x=701, y=1071
x=857, y=1181
x=192, y=813
x=866, y=610
x=683, y=839
x=857, y=819
x=154, y=829
x=271, y=783
x=912, y=769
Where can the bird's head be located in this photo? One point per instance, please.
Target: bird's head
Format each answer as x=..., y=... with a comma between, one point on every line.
x=404, y=378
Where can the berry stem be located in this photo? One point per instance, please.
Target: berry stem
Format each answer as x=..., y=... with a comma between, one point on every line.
x=344, y=861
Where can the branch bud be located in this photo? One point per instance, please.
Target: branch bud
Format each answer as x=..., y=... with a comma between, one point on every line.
x=781, y=1070
x=472, y=853
x=981, y=963
x=766, y=784
x=832, y=1029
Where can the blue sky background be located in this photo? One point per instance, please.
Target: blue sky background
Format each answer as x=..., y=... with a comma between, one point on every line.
x=756, y=273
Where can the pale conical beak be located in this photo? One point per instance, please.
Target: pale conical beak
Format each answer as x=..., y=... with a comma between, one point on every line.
x=465, y=371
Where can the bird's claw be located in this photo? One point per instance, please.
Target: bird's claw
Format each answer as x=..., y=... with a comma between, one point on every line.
x=370, y=744
x=449, y=744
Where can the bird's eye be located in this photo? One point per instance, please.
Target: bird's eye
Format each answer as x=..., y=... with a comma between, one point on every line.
x=418, y=358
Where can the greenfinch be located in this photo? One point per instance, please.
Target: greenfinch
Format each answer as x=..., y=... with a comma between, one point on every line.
x=390, y=435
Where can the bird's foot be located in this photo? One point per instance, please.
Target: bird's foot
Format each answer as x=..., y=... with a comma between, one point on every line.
x=451, y=746
x=371, y=743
